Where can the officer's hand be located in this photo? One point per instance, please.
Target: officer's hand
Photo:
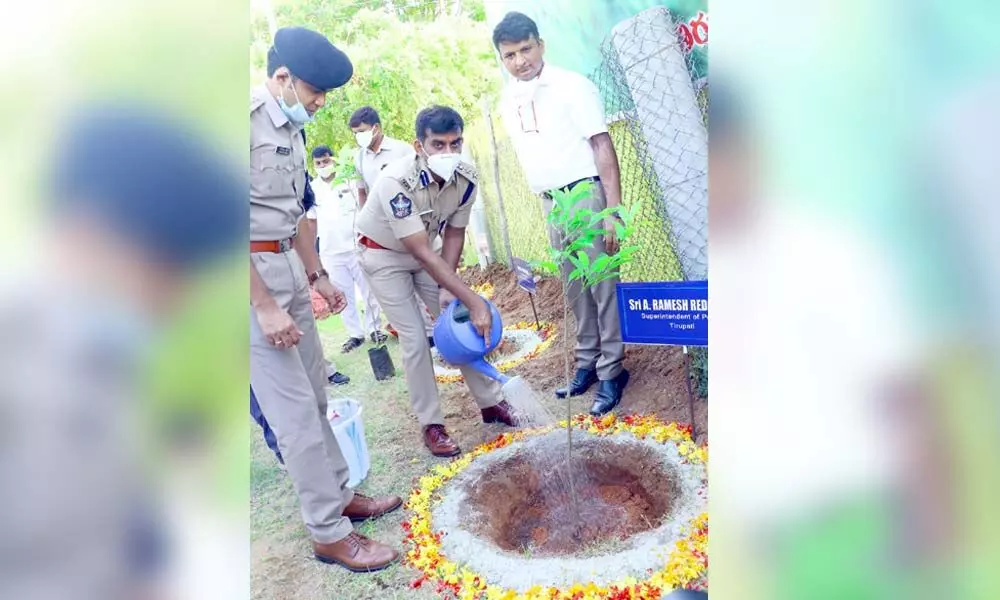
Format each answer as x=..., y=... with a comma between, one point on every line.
x=482, y=320
x=610, y=236
x=278, y=326
x=334, y=297
x=445, y=298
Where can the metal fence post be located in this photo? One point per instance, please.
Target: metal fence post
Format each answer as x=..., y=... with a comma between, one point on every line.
x=496, y=180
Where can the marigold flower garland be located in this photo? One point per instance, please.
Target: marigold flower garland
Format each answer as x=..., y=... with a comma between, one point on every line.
x=686, y=565
x=486, y=290
x=547, y=333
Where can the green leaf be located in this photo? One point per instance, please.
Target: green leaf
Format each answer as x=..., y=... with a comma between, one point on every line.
x=575, y=274
x=621, y=232
x=546, y=265
x=625, y=254
x=600, y=263
x=583, y=215
x=583, y=258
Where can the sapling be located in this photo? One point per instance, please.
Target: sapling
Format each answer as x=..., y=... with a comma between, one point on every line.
x=576, y=260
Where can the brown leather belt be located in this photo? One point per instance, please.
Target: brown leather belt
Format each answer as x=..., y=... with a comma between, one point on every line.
x=370, y=243
x=277, y=246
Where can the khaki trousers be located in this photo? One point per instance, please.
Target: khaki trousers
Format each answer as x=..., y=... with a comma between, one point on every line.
x=290, y=385
x=598, y=330
x=397, y=279
x=345, y=273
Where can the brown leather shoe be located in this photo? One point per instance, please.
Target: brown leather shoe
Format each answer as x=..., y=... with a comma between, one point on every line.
x=364, y=507
x=437, y=441
x=356, y=553
x=501, y=413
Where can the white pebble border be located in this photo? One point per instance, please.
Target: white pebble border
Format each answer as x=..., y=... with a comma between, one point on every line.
x=526, y=340
x=642, y=552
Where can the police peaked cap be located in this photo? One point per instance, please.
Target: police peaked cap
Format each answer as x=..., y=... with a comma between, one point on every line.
x=312, y=58
x=153, y=181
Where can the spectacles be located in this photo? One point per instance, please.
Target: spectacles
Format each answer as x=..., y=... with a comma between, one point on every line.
x=529, y=119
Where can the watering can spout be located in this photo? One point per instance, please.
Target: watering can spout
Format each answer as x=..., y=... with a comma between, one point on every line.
x=489, y=370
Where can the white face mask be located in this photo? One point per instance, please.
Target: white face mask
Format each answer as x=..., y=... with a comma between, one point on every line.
x=444, y=165
x=326, y=171
x=365, y=138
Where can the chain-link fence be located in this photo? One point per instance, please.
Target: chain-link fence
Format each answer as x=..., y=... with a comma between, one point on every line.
x=647, y=86
x=657, y=121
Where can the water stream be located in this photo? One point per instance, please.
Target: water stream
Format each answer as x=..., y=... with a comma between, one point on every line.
x=525, y=403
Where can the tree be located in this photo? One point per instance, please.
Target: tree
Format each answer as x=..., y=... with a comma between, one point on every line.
x=578, y=229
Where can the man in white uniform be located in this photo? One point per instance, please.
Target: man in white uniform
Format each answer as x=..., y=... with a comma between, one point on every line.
x=334, y=213
x=555, y=119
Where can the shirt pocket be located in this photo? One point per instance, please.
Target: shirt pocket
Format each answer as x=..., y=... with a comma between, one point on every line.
x=271, y=174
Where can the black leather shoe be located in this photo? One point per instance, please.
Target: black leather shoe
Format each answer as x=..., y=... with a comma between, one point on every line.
x=351, y=344
x=609, y=394
x=339, y=378
x=582, y=381
x=379, y=338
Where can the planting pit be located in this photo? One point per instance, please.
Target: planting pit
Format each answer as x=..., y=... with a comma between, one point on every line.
x=525, y=504
x=509, y=515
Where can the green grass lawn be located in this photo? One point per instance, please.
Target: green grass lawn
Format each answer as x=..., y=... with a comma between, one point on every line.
x=282, y=564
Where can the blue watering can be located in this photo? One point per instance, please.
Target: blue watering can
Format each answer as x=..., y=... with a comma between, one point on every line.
x=459, y=343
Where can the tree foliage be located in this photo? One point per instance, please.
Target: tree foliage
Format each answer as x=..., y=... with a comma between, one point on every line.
x=579, y=228
x=404, y=60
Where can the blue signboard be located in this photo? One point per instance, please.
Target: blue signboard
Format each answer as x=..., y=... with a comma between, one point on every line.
x=525, y=278
x=671, y=313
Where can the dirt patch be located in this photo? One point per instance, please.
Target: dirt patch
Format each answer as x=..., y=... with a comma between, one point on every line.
x=659, y=374
x=525, y=504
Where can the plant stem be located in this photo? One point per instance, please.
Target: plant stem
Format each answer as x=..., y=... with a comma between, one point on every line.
x=569, y=405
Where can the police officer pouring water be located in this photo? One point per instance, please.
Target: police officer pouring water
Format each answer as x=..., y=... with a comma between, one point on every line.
x=286, y=358
x=416, y=200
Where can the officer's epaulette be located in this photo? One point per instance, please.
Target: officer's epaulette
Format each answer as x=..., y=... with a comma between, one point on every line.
x=255, y=102
x=411, y=181
x=468, y=171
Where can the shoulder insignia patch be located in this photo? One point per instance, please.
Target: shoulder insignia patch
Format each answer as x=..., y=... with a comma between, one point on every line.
x=402, y=206
x=255, y=103
x=468, y=171
x=409, y=182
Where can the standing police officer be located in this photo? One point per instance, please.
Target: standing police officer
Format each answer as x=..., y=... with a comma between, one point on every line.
x=415, y=200
x=286, y=358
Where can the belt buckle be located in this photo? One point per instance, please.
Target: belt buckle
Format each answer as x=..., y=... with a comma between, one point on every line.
x=285, y=245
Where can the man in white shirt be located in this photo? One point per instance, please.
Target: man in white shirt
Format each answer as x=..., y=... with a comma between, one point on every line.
x=555, y=119
x=334, y=214
x=375, y=151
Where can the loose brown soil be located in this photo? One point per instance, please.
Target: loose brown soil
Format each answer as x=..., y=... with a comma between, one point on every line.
x=659, y=374
x=524, y=504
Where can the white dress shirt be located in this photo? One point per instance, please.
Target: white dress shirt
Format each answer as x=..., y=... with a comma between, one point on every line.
x=370, y=164
x=550, y=120
x=334, y=212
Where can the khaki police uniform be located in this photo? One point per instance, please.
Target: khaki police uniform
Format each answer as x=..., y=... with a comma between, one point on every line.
x=370, y=165
x=405, y=201
x=290, y=382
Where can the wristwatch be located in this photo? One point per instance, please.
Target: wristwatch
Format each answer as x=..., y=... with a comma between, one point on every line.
x=313, y=277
